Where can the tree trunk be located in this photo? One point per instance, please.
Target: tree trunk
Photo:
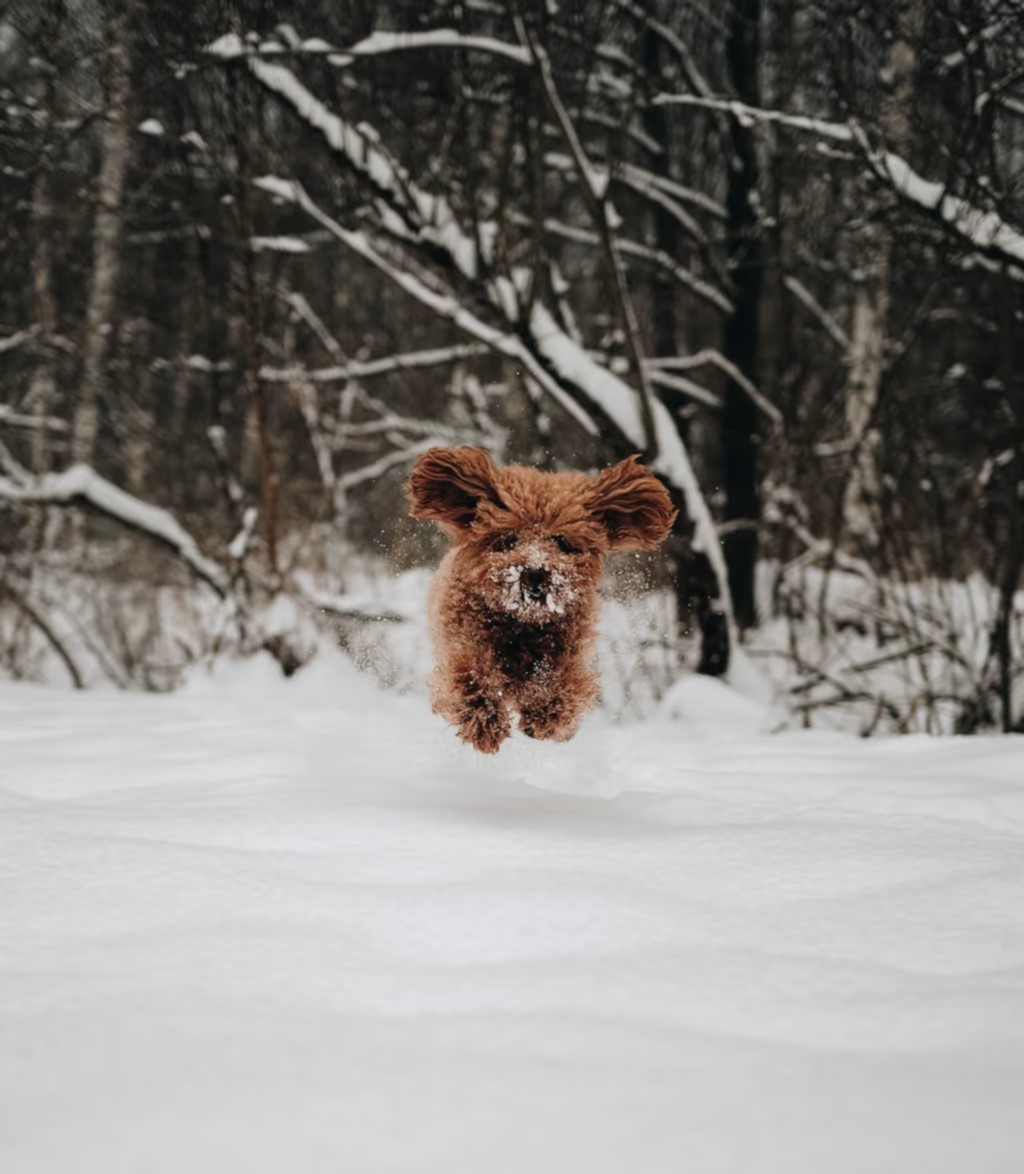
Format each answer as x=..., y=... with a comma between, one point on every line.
x=106, y=258
x=258, y=407
x=696, y=589
x=871, y=305
x=740, y=418
x=868, y=332
x=43, y=390
x=1010, y=577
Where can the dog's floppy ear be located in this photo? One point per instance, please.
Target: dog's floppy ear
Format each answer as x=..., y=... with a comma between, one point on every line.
x=632, y=505
x=447, y=485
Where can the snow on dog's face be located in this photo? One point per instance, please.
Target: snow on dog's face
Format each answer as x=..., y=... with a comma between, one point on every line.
x=530, y=543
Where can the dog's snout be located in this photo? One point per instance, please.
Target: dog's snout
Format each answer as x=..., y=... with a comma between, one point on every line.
x=534, y=581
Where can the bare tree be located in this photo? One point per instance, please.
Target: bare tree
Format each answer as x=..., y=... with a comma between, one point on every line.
x=108, y=224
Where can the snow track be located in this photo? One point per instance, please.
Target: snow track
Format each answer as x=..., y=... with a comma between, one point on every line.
x=260, y=926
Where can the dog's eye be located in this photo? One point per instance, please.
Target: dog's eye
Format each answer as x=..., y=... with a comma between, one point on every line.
x=506, y=541
x=564, y=545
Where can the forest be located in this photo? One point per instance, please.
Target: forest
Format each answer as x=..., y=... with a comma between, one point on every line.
x=257, y=256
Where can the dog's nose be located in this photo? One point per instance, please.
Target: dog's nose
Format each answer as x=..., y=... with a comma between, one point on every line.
x=534, y=581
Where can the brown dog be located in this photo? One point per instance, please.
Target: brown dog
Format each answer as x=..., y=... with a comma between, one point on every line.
x=513, y=606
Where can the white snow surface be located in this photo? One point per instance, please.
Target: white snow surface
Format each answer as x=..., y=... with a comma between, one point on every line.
x=293, y=926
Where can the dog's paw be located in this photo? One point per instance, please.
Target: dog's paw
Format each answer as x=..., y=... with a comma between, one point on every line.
x=484, y=725
x=549, y=723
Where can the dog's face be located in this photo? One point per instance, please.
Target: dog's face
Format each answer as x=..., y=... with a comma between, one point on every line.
x=532, y=543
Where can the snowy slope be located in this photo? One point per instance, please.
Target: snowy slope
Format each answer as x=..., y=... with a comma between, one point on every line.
x=260, y=926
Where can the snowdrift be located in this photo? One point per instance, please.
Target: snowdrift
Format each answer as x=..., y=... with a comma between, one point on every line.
x=291, y=926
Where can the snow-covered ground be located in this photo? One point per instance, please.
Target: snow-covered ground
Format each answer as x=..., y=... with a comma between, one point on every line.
x=267, y=926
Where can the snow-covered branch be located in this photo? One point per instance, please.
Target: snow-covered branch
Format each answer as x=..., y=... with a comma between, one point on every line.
x=371, y=472
x=368, y=368
x=983, y=230
x=278, y=244
x=810, y=303
x=17, y=339
x=305, y=312
x=617, y=401
x=648, y=183
x=377, y=44
x=686, y=387
x=16, y=419
x=444, y=305
x=630, y=248
x=632, y=178
x=595, y=187
x=957, y=58
x=81, y=483
x=709, y=357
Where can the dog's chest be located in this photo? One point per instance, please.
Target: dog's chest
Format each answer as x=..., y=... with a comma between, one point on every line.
x=523, y=652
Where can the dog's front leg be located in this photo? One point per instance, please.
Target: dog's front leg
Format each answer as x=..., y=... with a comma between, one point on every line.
x=473, y=702
x=554, y=705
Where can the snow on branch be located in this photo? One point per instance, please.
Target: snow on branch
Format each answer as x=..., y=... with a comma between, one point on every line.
x=81, y=483
x=954, y=60
x=305, y=313
x=19, y=338
x=655, y=193
x=369, y=368
x=618, y=402
x=444, y=305
x=648, y=182
x=278, y=244
x=595, y=186
x=16, y=419
x=673, y=40
x=831, y=327
x=372, y=472
x=377, y=44
x=750, y=116
x=630, y=248
x=683, y=386
x=709, y=357
x=408, y=208
x=985, y=231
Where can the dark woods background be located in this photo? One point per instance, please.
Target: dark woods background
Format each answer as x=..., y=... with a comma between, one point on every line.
x=543, y=242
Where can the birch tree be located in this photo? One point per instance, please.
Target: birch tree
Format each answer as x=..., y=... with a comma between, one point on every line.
x=870, y=318
x=108, y=223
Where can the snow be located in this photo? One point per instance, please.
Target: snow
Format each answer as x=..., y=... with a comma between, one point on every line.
x=986, y=230
x=279, y=244
x=380, y=42
x=392, y=42
x=263, y=925
x=366, y=369
x=192, y=138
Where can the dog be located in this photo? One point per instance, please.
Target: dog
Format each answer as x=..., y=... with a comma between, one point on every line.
x=513, y=605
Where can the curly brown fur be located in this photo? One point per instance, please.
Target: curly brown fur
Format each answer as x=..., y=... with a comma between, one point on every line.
x=513, y=606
